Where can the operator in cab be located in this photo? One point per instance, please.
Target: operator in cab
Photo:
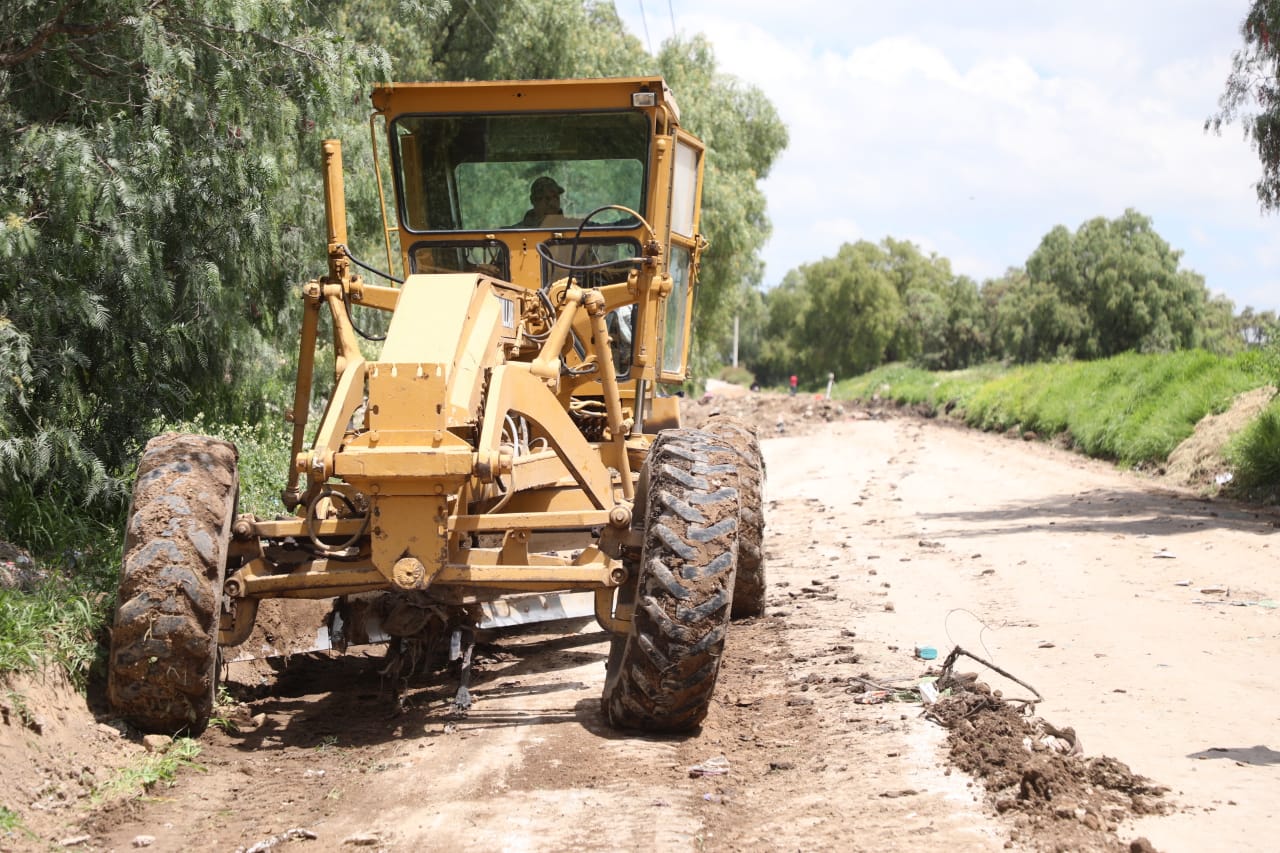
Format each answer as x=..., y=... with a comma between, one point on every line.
x=544, y=195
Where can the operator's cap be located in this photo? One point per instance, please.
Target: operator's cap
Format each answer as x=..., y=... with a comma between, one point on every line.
x=544, y=184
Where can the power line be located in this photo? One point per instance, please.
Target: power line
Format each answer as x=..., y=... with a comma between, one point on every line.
x=672, y=13
x=480, y=17
x=645, y=22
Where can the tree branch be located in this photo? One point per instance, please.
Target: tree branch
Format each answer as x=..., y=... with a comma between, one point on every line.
x=59, y=26
x=253, y=34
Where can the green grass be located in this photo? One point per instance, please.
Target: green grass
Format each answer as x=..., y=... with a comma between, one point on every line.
x=1254, y=455
x=11, y=825
x=1134, y=409
x=59, y=623
x=9, y=820
x=152, y=769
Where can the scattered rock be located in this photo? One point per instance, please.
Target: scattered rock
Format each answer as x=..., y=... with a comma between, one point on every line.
x=156, y=743
x=363, y=839
x=18, y=571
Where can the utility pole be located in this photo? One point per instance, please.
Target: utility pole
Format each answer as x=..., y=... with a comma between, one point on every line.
x=735, y=340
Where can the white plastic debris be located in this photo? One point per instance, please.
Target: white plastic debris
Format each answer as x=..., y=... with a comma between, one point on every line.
x=717, y=766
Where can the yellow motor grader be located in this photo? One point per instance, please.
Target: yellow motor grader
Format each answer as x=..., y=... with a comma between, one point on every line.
x=507, y=439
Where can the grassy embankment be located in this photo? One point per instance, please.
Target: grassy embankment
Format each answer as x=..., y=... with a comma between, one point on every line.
x=1134, y=409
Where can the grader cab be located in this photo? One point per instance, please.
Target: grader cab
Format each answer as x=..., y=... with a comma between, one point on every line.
x=504, y=437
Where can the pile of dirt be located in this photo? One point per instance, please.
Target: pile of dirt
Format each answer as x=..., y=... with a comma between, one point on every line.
x=1038, y=776
x=772, y=414
x=1199, y=461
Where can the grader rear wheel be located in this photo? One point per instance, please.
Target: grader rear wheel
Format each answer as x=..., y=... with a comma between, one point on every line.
x=163, y=665
x=749, y=586
x=661, y=676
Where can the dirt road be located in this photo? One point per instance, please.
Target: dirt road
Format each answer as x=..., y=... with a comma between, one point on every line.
x=1145, y=617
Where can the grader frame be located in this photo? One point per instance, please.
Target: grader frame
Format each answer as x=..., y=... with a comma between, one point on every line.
x=505, y=437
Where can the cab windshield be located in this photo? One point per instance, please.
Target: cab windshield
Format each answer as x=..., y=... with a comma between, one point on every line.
x=478, y=172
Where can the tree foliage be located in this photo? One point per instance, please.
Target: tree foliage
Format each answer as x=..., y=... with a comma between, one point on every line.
x=159, y=192
x=1111, y=286
x=148, y=237
x=1118, y=287
x=869, y=304
x=1252, y=95
x=837, y=315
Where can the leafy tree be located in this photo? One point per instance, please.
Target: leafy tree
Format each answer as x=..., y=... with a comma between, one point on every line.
x=1254, y=84
x=941, y=315
x=964, y=337
x=150, y=229
x=1120, y=289
x=1257, y=328
x=1221, y=331
x=1029, y=321
x=837, y=315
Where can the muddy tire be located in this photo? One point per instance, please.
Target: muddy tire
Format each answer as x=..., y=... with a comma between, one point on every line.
x=162, y=669
x=662, y=674
x=749, y=586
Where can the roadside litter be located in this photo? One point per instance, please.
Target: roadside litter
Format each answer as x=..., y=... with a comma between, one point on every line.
x=717, y=766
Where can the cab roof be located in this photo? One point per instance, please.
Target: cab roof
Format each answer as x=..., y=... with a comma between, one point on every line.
x=507, y=96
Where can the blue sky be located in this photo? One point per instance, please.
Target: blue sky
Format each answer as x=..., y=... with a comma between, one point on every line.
x=974, y=128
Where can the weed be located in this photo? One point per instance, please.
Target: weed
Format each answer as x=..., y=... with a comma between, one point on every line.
x=10, y=820
x=56, y=623
x=224, y=724
x=16, y=704
x=153, y=769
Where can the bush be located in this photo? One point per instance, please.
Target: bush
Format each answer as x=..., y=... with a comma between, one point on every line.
x=737, y=376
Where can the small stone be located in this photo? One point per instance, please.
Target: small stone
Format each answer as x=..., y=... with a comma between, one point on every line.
x=156, y=743
x=363, y=839
x=888, y=606
x=143, y=840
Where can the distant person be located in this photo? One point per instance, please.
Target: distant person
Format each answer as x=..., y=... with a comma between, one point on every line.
x=795, y=381
x=544, y=195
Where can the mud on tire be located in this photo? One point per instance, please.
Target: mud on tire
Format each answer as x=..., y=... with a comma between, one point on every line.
x=661, y=676
x=749, y=586
x=163, y=663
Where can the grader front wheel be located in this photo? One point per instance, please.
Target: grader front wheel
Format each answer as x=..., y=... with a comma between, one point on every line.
x=661, y=676
x=163, y=664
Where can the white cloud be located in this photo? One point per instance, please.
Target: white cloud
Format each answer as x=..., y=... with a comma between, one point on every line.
x=980, y=126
